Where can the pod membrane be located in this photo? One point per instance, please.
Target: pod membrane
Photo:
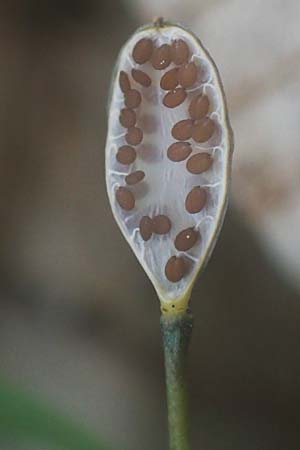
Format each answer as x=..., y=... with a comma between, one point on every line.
x=168, y=156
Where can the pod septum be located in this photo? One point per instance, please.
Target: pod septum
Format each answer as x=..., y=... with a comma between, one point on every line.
x=168, y=156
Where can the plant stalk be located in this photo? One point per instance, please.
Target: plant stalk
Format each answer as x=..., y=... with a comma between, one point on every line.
x=176, y=331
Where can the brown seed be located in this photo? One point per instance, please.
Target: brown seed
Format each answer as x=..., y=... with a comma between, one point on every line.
x=142, y=51
x=203, y=130
x=161, y=224
x=126, y=154
x=125, y=198
x=127, y=118
x=124, y=82
x=186, y=239
x=169, y=80
x=134, y=136
x=161, y=57
x=179, y=151
x=187, y=75
x=146, y=228
x=175, y=269
x=180, y=52
x=199, y=107
x=199, y=163
x=135, y=177
x=182, y=130
x=174, y=98
x=195, y=200
x=141, y=77
x=133, y=99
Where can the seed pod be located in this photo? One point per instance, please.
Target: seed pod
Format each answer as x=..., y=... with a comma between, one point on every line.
x=163, y=217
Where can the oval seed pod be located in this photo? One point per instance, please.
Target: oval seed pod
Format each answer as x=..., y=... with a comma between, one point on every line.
x=183, y=200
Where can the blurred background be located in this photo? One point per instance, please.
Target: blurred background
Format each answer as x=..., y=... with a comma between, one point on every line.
x=79, y=320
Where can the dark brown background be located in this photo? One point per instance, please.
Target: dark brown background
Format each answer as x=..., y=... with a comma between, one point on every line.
x=79, y=318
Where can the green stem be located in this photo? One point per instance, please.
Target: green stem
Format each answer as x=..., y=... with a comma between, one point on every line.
x=176, y=331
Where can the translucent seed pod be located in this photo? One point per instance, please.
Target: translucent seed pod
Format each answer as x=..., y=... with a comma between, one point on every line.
x=168, y=197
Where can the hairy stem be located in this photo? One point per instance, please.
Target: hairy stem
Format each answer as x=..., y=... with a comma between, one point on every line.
x=176, y=331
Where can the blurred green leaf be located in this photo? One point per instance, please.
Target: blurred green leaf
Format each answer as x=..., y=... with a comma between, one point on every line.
x=23, y=418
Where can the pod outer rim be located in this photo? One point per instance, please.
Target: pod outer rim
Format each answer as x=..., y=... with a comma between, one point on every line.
x=182, y=303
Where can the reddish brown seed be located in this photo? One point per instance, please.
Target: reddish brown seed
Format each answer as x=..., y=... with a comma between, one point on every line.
x=174, y=98
x=125, y=198
x=199, y=107
x=175, y=269
x=161, y=224
x=141, y=77
x=187, y=75
x=203, y=130
x=135, y=177
x=161, y=57
x=182, y=131
x=199, y=163
x=169, y=80
x=142, y=51
x=134, y=136
x=195, y=200
x=180, y=52
x=124, y=82
x=179, y=151
x=146, y=228
x=186, y=239
x=127, y=118
x=126, y=154
x=133, y=99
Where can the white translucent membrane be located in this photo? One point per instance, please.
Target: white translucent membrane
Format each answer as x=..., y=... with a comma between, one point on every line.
x=167, y=183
